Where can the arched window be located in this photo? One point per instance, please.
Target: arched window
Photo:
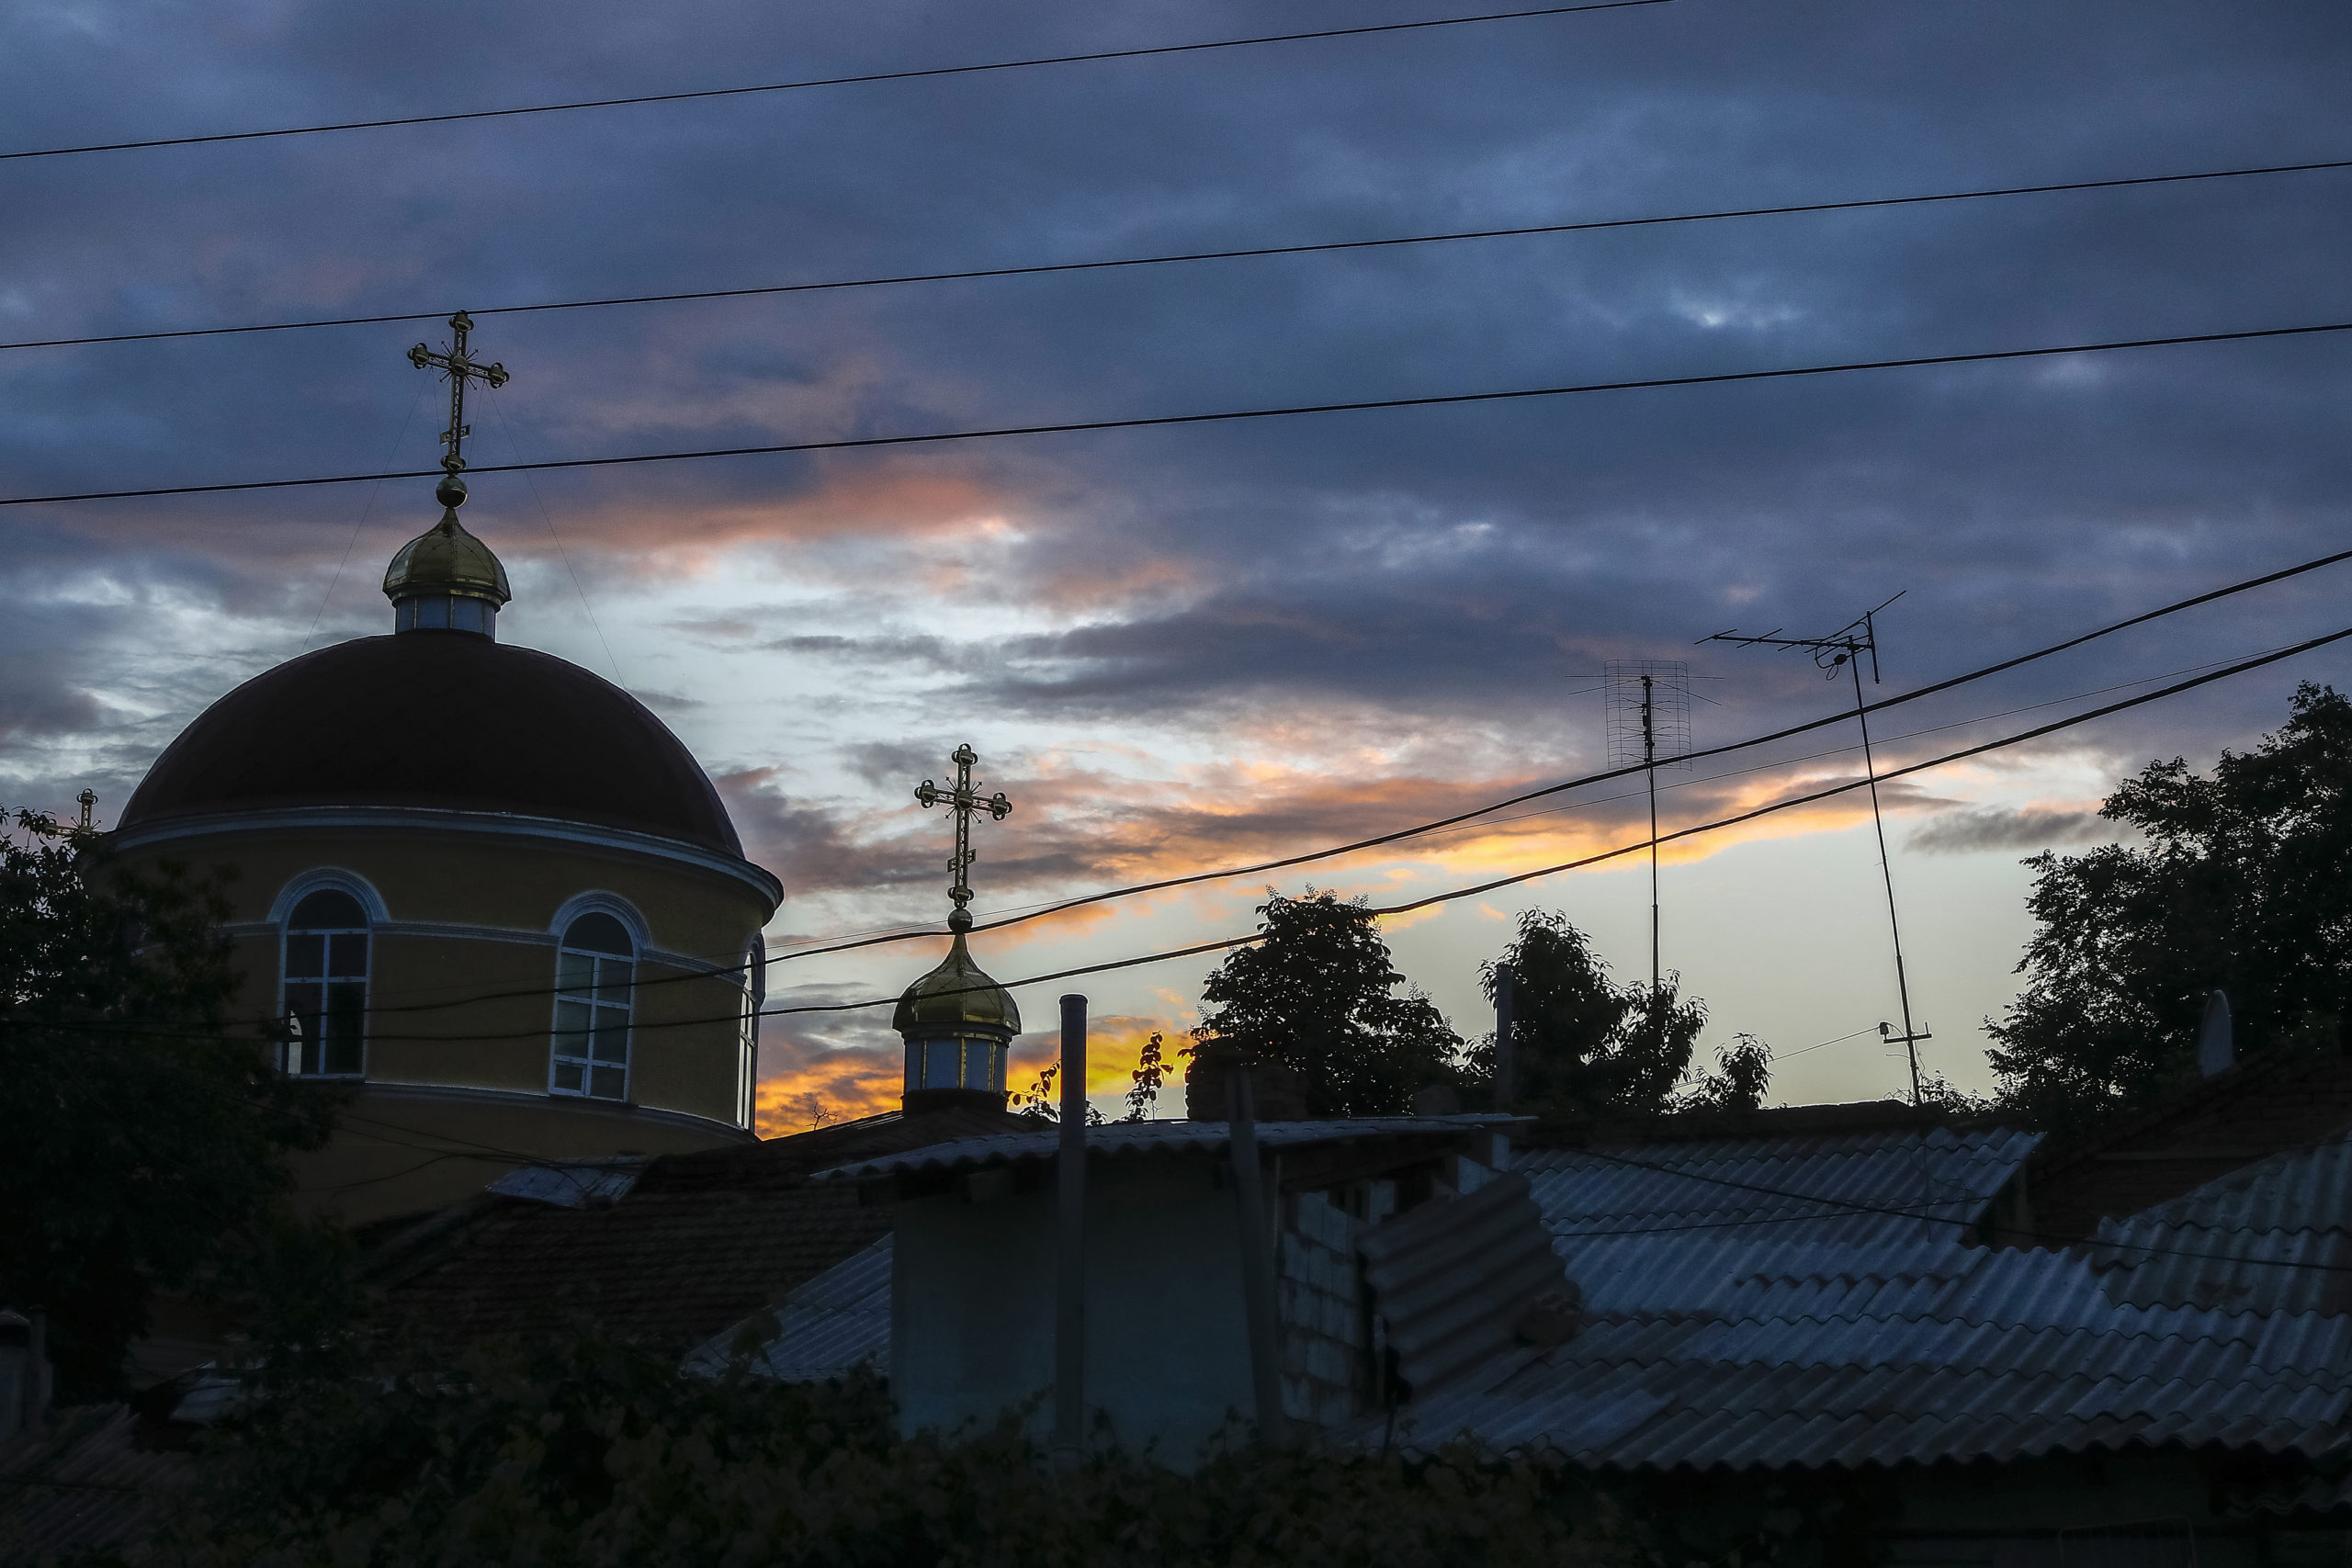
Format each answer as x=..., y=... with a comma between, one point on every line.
x=324, y=970
x=593, y=968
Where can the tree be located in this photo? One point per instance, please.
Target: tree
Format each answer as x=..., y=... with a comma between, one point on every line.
x=1583, y=1044
x=2243, y=884
x=1317, y=996
x=585, y=1451
x=144, y=1141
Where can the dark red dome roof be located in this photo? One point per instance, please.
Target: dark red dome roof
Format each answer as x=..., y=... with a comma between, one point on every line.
x=438, y=718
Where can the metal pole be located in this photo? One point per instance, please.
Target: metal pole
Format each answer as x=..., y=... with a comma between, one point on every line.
x=1257, y=1258
x=1506, y=1053
x=1070, y=1258
x=1887, y=870
x=1649, y=771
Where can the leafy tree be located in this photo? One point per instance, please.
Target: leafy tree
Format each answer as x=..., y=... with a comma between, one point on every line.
x=2243, y=883
x=1317, y=996
x=1043, y=1100
x=144, y=1141
x=1151, y=1072
x=1743, y=1069
x=1041, y=1103
x=1583, y=1044
x=586, y=1452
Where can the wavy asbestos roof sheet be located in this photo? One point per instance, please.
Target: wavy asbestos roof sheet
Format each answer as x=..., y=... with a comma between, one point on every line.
x=838, y=1321
x=2275, y=1236
x=1158, y=1137
x=1810, y=1303
x=1454, y=1279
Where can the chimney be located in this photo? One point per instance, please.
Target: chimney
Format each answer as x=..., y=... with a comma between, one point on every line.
x=2216, y=1051
x=25, y=1377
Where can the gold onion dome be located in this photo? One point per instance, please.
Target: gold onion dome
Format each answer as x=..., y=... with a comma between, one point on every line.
x=446, y=559
x=956, y=997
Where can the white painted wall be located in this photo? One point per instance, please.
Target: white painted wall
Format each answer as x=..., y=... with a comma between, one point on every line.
x=1167, y=1348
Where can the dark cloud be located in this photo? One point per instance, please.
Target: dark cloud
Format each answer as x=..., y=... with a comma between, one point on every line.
x=1435, y=589
x=1969, y=829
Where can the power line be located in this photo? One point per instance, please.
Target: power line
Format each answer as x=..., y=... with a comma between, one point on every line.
x=1474, y=890
x=909, y=933
x=1039, y=268
x=1031, y=62
x=2222, y=668
x=1419, y=830
x=1722, y=378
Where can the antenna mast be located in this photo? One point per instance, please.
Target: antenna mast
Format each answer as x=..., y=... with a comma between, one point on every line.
x=1844, y=649
x=1649, y=718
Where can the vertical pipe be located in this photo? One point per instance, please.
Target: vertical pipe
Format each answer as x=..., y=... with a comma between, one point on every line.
x=1887, y=870
x=1649, y=772
x=1506, y=1048
x=1069, y=1254
x=1257, y=1257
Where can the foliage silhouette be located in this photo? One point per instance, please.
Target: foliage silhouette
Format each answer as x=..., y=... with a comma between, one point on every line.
x=1317, y=998
x=145, y=1142
x=2243, y=883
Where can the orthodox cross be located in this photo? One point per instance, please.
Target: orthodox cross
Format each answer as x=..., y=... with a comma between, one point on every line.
x=964, y=798
x=460, y=370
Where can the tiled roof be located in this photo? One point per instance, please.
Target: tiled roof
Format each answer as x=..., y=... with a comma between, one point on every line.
x=1807, y=1301
x=2266, y=1104
x=701, y=1242
x=1156, y=1137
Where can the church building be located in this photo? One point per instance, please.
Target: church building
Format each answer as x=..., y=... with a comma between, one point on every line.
x=484, y=887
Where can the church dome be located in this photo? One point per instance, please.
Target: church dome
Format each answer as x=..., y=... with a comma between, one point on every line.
x=445, y=559
x=445, y=719
x=956, y=997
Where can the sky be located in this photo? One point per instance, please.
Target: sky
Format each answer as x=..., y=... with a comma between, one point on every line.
x=1187, y=648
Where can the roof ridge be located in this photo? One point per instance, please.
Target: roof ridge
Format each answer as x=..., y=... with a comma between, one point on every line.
x=2240, y=1076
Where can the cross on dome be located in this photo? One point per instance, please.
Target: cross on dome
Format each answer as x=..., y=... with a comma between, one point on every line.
x=458, y=368
x=446, y=579
x=963, y=798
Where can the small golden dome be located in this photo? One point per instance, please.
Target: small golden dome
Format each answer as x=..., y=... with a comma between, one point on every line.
x=445, y=559
x=956, y=997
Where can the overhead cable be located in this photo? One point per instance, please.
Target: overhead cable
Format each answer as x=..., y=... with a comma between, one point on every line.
x=1475, y=889
x=911, y=933
x=1227, y=416
x=803, y=83
x=1168, y=258
x=1421, y=828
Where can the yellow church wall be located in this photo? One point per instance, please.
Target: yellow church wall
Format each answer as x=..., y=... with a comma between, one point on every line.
x=402, y=1150
x=461, y=995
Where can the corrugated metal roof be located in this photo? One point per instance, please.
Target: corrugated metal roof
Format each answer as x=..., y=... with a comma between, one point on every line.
x=1158, y=1137
x=837, y=1321
x=2275, y=1236
x=1811, y=1303
x=573, y=1184
x=1454, y=1279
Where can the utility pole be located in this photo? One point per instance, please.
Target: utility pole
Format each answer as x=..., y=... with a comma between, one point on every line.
x=1650, y=712
x=1844, y=649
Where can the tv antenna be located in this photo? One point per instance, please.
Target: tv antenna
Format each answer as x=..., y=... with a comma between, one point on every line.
x=1649, y=722
x=1843, y=649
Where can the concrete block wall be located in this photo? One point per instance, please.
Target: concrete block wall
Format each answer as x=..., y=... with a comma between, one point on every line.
x=1319, y=1307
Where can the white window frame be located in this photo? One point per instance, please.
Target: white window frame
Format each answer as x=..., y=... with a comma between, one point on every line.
x=747, y=1062
x=371, y=912
x=586, y=1063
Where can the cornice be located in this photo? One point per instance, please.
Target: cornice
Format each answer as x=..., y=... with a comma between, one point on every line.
x=461, y=932
x=383, y=1089
x=420, y=818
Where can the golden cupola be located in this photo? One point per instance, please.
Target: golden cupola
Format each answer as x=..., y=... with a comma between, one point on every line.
x=445, y=579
